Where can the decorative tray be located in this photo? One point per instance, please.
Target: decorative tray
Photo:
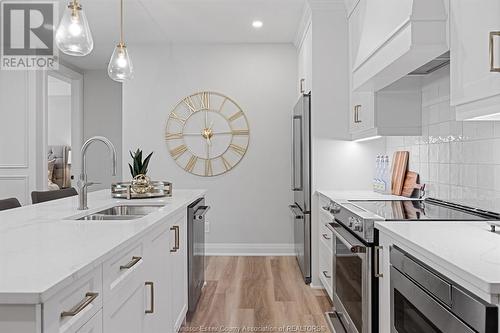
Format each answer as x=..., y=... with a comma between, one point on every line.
x=123, y=190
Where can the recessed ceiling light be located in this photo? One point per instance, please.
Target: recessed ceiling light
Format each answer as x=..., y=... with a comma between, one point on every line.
x=257, y=24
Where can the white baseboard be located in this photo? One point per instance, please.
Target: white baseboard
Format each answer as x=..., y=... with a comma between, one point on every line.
x=249, y=249
x=316, y=286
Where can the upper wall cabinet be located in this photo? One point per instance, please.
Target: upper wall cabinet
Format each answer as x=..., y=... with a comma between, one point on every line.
x=393, y=38
x=305, y=62
x=475, y=59
x=392, y=111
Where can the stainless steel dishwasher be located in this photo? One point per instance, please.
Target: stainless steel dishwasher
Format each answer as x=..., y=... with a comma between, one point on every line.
x=196, y=251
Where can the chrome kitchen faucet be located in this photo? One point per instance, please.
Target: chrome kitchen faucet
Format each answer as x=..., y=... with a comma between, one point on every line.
x=83, y=183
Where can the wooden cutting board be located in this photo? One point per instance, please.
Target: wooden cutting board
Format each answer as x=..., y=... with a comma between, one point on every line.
x=410, y=184
x=399, y=168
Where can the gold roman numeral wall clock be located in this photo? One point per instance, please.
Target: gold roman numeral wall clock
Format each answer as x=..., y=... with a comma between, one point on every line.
x=207, y=134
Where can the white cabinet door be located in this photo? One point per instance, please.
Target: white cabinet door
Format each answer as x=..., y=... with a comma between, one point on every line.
x=125, y=312
x=475, y=90
x=94, y=325
x=158, y=285
x=362, y=111
x=305, y=63
x=178, y=270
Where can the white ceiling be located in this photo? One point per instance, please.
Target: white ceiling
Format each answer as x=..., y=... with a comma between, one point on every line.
x=186, y=21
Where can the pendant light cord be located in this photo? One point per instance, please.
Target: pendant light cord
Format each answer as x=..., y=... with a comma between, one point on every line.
x=121, y=22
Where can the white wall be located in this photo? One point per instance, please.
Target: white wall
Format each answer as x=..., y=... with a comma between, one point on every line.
x=59, y=120
x=58, y=112
x=102, y=116
x=459, y=161
x=21, y=111
x=250, y=203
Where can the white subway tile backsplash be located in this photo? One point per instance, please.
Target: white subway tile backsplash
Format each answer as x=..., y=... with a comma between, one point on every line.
x=473, y=130
x=485, y=151
x=433, y=153
x=456, y=152
x=458, y=161
x=433, y=114
x=469, y=175
x=434, y=172
x=444, y=174
x=443, y=192
x=456, y=193
x=444, y=152
x=469, y=151
x=486, y=177
x=455, y=174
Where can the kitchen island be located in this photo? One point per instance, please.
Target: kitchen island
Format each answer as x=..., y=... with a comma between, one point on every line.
x=59, y=273
x=467, y=253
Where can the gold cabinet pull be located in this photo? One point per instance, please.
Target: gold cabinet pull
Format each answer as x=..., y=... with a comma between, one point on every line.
x=176, y=247
x=152, y=302
x=132, y=263
x=493, y=34
x=89, y=298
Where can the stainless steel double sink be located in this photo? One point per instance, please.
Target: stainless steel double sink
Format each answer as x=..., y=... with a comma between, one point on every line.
x=121, y=212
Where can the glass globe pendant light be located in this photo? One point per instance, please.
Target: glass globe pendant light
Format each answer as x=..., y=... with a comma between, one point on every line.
x=120, y=66
x=73, y=35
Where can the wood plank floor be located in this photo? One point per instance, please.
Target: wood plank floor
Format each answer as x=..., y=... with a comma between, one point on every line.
x=257, y=294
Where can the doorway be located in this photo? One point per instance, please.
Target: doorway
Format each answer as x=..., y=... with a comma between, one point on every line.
x=63, y=127
x=59, y=153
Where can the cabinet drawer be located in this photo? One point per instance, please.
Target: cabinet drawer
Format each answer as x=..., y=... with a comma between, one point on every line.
x=326, y=268
x=326, y=236
x=72, y=307
x=120, y=270
x=94, y=325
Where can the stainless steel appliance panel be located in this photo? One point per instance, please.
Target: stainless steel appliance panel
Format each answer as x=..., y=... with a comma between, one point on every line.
x=422, y=301
x=301, y=183
x=352, y=274
x=301, y=153
x=196, y=251
x=302, y=240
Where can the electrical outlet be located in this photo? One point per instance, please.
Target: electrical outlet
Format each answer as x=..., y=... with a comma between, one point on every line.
x=207, y=226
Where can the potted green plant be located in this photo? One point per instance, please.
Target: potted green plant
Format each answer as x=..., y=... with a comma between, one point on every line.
x=138, y=169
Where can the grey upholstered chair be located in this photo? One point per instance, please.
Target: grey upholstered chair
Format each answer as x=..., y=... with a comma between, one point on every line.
x=9, y=203
x=42, y=196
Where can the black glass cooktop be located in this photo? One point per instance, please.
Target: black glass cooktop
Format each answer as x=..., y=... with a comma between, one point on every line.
x=432, y=209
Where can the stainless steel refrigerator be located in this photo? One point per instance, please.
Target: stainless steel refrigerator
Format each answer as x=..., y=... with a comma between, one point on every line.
x=301, y=184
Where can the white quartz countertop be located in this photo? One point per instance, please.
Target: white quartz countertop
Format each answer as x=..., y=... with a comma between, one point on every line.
x=466, y=252
x=41, y=250
x=359, y=195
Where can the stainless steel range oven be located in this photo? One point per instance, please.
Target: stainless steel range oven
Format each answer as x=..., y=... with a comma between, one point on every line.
x=423, y=301
x=352, y=282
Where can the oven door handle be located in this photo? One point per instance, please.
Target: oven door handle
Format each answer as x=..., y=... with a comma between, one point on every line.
x=297, y=213
x=347, y=239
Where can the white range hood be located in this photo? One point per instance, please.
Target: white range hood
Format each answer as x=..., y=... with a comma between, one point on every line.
x=398, y=36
